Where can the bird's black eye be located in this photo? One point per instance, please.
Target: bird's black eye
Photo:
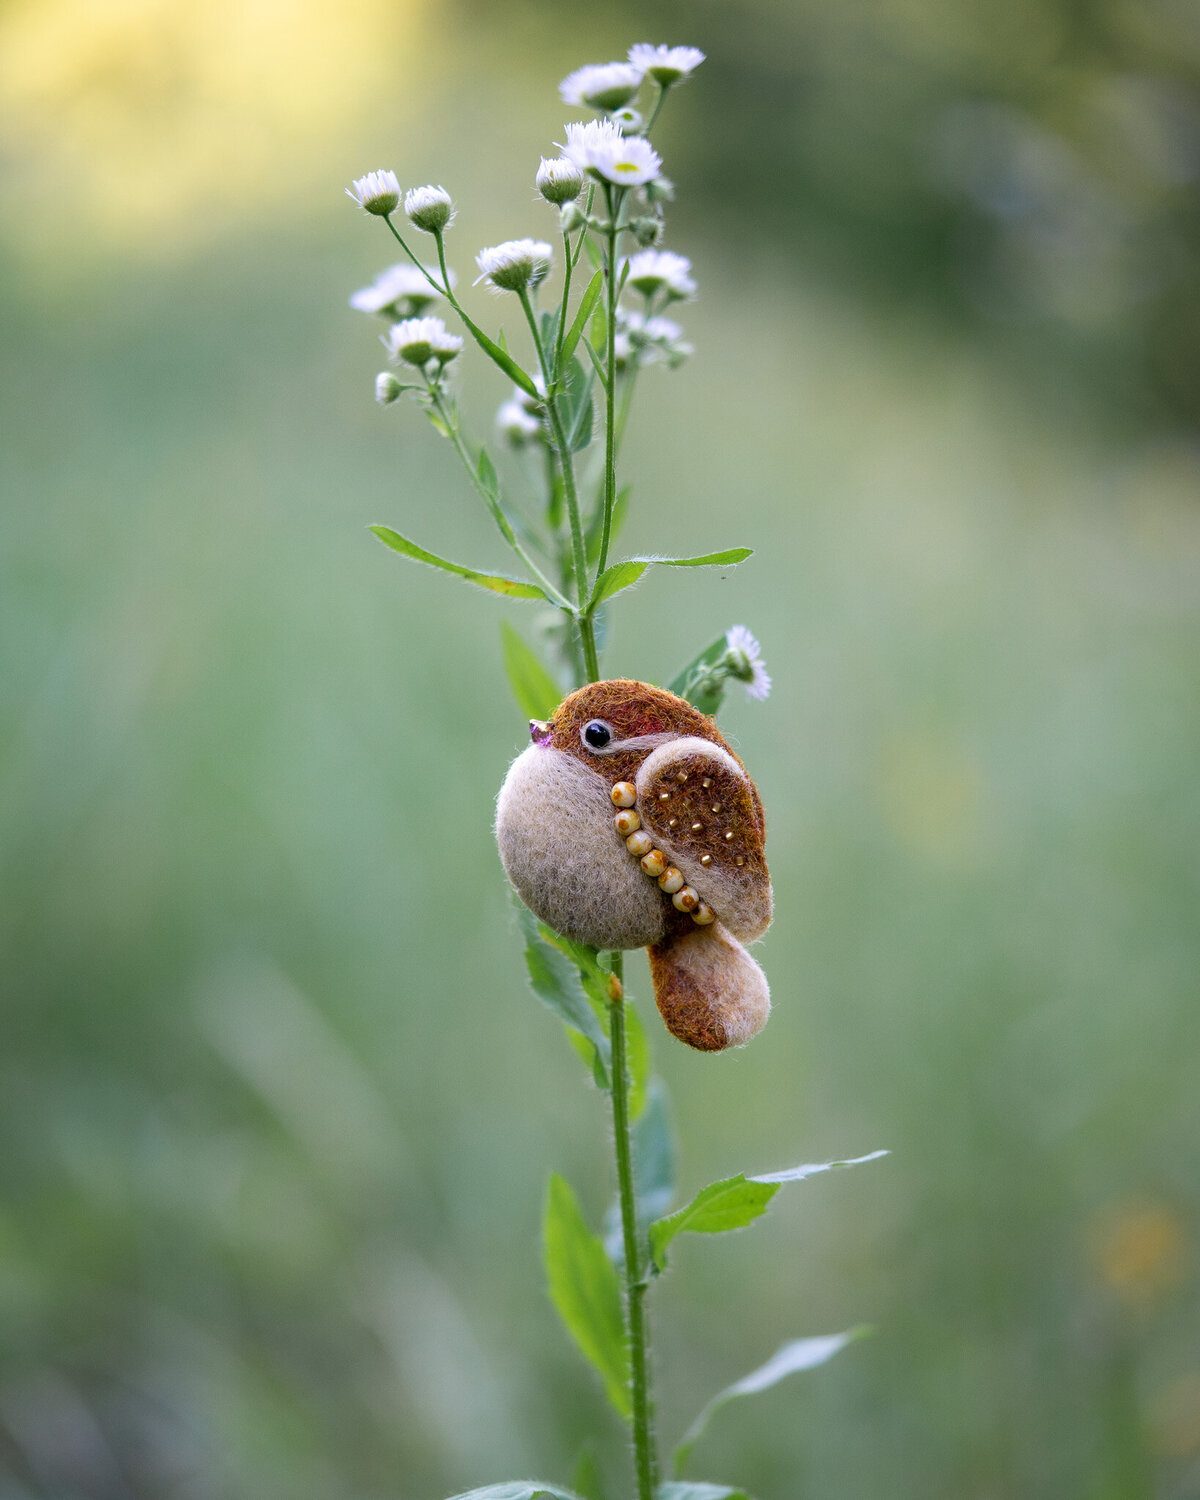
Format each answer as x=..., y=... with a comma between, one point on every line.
x=596, y=733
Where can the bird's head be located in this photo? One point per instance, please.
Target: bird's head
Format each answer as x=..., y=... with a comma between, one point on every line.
x=613, y=726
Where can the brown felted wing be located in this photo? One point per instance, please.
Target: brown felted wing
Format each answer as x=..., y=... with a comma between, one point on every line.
x=702, y=810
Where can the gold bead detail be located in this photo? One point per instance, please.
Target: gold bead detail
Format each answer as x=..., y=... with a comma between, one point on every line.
x=740, y=861
x=682, y=776
x=706, y=783
x=716, y=807
x=672, y=822
x=627, y=822
x=639, y=843
x=696, y=827
x=685, y=900
x=654, y=863
x=664, y=796
x=706, y=860
x=728, y=836
x=704, y=916
x=671, y=880
x=624, y=794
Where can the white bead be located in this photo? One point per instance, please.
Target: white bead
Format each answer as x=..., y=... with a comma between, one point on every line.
x=685, y=900
x=639, y=843
x=704, y=915
x=626, y=823
x=624, y=794
x=671, y=880
x=654, y=863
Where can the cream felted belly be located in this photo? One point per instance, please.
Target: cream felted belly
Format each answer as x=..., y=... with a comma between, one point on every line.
x=554, y=826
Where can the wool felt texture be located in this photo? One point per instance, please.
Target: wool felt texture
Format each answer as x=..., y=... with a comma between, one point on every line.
x=561, y=851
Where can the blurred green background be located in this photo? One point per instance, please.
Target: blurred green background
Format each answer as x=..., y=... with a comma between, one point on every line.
x=277, y=1109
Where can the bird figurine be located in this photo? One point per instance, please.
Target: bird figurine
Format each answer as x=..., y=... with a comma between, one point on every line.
x=630, y=823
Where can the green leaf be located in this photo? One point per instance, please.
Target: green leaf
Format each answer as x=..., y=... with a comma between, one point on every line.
x=789, y=1359
x=733, y=1203
x=587, y=303
x=691, y=1490
x=488, y=478
x=696, y=684
x=597, y=363
x=556, y=982
x=515, y=588
x=576, y=396
x=536, y=692
x=637, y=1050
x=585, y=959
x=622, y=574
x=585, y=1477
x=498, y=355
x=519, y=1489
x=653, y=1170
x=584, y=1289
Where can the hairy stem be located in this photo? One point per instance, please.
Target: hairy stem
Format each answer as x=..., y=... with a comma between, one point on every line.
x=645, y=1458
x=610, y=363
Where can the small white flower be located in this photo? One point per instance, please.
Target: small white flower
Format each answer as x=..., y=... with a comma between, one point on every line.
x=601, y=85
x=666, y=65
x=429, y=208
x=559, y=179
x=377, y=192
x=628, y=163
x=400, y=289
x=653, y=270
x=518, y=425
x=534, y=405
x=744, y=660
x=599, y=148
x=515, y=265
x=418, y=340
x=646, y=330
x=387, y=388
x=622, y=349
x=628, y=119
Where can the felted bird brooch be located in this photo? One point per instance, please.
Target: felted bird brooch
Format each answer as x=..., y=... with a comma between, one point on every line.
x=630, y=823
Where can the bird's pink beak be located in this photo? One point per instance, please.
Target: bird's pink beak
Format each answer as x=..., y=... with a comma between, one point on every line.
x=539, y=731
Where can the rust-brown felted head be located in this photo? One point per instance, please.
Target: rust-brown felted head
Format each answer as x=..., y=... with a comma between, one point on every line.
x=628, y=823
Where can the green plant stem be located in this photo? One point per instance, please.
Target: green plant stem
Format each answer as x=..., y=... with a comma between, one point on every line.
x=610, y=362
x=568, y=266
x=492, y=503
x=645, y=1457
x=586, y=626
x=658, y=104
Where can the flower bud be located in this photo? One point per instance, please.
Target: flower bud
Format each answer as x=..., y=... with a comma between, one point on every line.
x=518, y=425
x=646, y=231
x=515, y=265
x=387, y=388
x=628, y=119
x=571, y=217
x=660, y=190
x=429, y=208
x=377, y=192
x=559, y=179
x=418, y=340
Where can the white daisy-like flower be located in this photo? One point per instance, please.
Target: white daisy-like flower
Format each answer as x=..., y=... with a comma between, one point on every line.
x=400, y=289
x=559, y=179
x=377, y=192
x=418, y=340
x=534, y=405
x=515, y=265
x=387, y=388
x=601, y=85
x=654, y=270
x=628, y=119
x=743, y=657
x=429, y=208
x=622, y=349
x=518, y=425
x=657, y=330
x=601, y=150
x=666, y=65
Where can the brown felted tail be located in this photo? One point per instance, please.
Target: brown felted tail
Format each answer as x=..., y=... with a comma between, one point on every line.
x=710, y=992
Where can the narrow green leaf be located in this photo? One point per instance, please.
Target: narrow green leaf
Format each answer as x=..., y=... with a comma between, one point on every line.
x=536, y=692
x=585, y=1477
x=437, y=421
x=597, y=363
x=488, y=478
x=587, y=304
x=621, y=575
x=584, y=1289
x=814, y=1169
x=691, y=1490
x=496, y=582
x=731, y=1203
x=499, y=355
x=696, y=684
x=790, y=1359
x=734, y=1202
x=519, y=1489
x=556, y=982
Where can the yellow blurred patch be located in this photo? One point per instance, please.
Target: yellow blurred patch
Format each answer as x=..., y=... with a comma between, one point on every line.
x=1140, y=1250
x=930, y=793
x=134, y=124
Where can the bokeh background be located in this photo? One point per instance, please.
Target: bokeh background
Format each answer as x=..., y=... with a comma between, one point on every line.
x=277, y=1110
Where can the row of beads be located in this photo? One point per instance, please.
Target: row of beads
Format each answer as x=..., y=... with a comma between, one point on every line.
x=653, y=861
